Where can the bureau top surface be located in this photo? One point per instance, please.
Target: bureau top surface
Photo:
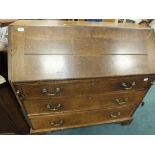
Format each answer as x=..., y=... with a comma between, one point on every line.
x=49, y=50
x=62, y=23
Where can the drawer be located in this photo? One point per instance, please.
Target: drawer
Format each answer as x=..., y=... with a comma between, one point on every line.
x=89, y=102
x=77, y=119
x=43, y=90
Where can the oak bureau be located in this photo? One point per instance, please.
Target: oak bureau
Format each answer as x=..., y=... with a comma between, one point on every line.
x=73, y=74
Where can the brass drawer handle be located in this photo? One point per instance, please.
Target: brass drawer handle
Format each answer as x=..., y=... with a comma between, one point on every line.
x=128, y=86
x=54, y=107
x=20, y=95
x=121, y=101
x=57, y=123
x=115, y=115
x=44, y=90
x=53, y=92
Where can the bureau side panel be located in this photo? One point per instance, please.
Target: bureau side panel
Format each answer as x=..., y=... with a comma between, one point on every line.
x=16, y=53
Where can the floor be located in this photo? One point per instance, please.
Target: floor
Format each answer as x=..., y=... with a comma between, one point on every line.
x=143, y=123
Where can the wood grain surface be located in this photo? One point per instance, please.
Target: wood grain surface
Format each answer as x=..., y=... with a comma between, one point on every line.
x=68, y=120
x=74, y=50
x=82, y=103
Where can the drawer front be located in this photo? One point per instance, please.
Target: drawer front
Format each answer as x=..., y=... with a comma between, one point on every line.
x=46, y=90
x=61, y=121
x=54, y=105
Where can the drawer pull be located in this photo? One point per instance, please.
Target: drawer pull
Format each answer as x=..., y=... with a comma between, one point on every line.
x=20, y=95
x=54, y=91
x=57, y=123
x=128, y=86
x=115, y=115
x=44, y=90
x=121, y=101
x=54, y=107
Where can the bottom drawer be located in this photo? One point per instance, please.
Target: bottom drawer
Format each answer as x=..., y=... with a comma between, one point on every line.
x=77, y=119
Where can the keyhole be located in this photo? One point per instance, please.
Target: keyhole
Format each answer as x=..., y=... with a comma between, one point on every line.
x=90, y=98
x=93, y=84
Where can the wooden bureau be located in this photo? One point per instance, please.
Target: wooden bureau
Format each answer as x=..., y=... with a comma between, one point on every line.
x=72, y=74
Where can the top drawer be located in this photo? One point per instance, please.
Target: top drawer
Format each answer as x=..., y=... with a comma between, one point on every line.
x=33, y=90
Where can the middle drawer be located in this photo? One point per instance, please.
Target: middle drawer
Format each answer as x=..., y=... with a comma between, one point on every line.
x=79, y=103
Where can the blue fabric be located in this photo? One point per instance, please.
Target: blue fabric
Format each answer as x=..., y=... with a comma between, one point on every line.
x=94, y=20
x=143, y=123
